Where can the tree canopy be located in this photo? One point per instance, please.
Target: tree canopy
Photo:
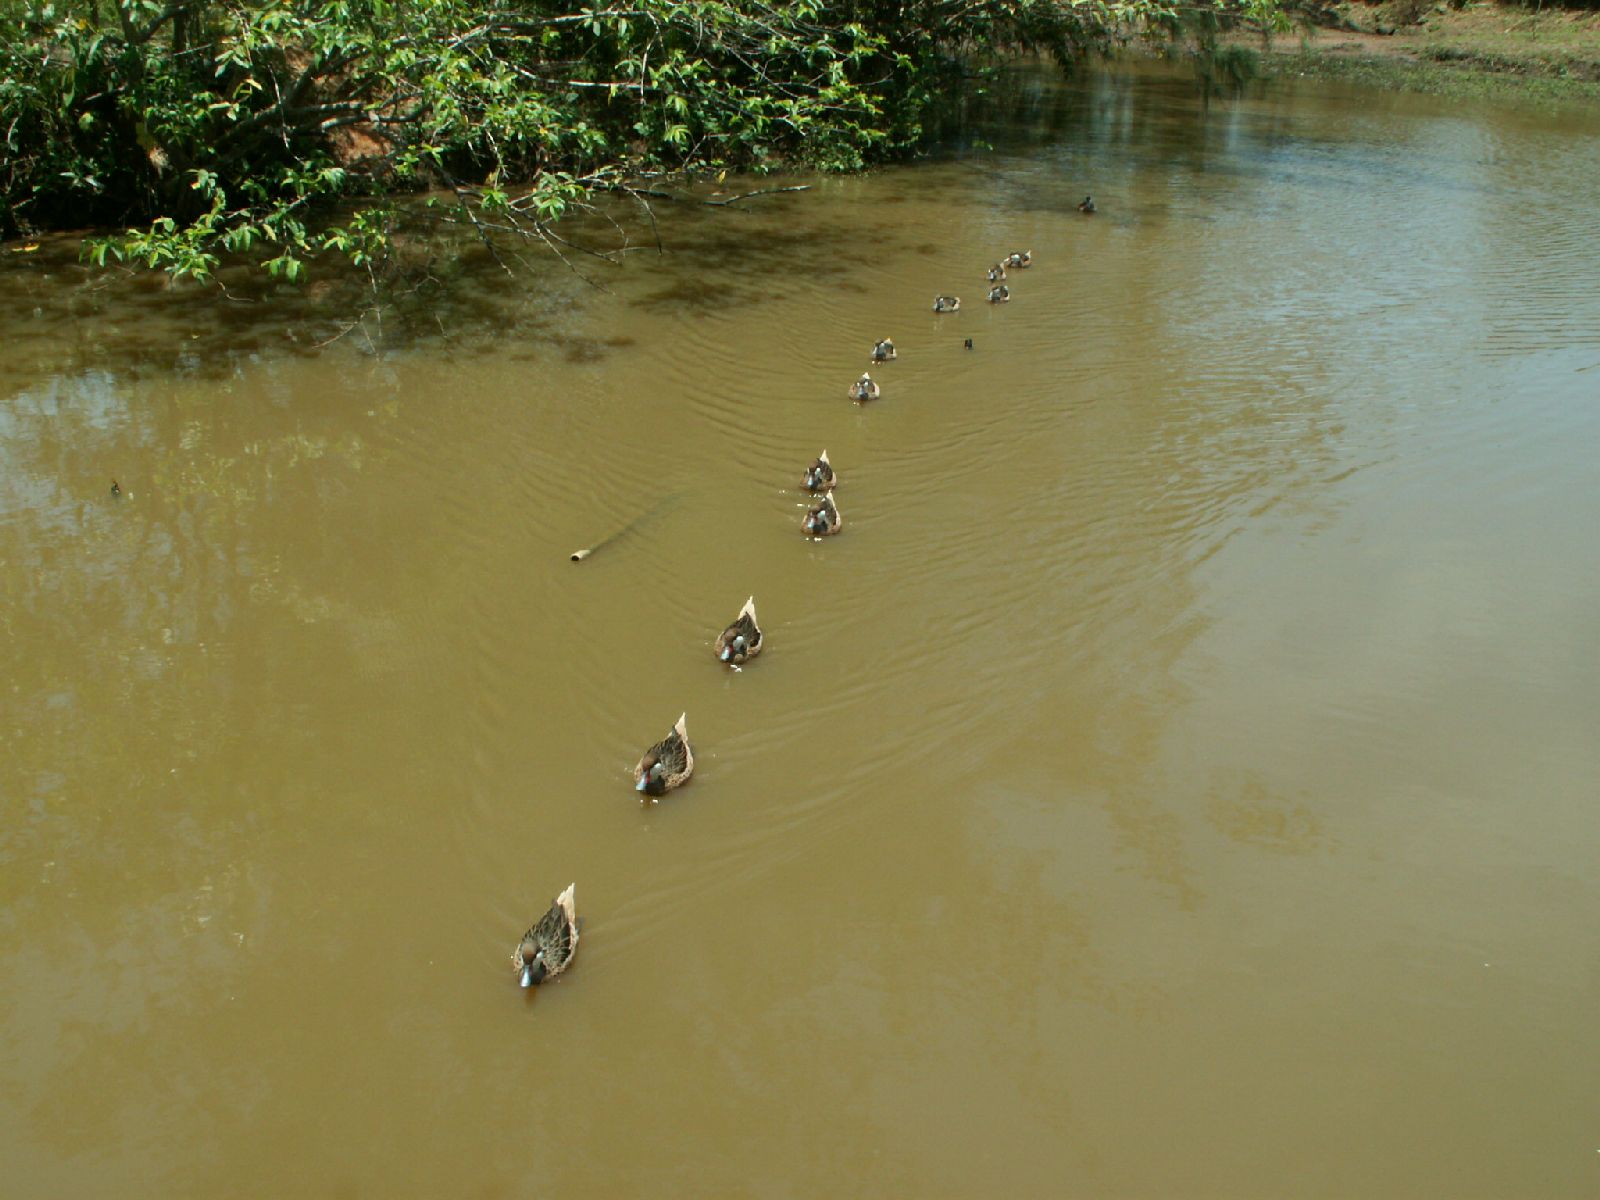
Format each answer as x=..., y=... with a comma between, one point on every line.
x=287, y=129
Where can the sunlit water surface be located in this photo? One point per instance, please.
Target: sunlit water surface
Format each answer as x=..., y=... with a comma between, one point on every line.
x=1178, y=779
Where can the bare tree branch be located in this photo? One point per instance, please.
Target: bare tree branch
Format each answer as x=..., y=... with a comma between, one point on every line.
x=799, y=187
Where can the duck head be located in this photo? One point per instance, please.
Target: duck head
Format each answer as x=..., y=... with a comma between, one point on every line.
x=823, y=519
x=533, y=969
x=652, y=780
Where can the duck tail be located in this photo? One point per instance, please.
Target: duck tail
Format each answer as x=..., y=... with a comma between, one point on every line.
x=569, y=909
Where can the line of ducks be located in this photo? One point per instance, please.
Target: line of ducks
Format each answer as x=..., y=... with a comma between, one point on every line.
x=548, y=947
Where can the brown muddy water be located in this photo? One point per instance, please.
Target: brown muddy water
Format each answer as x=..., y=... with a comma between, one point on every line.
x=1177, y=779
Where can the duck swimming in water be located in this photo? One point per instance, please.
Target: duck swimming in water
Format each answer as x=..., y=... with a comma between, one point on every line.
x=742, y=639
x=884, y=351
x=865, y=388
x=666, y=765
x=944, y=304
x=999, y=294
x=1022, y=258
x=548, y=947
x=1086, y=206
x=997, y=273
x=823, y=519
x=819, y=475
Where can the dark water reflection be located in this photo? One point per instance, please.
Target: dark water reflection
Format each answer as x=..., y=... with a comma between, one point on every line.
x=1176, y=780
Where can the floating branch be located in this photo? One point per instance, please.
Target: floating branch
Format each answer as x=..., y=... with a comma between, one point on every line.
x=799, y=187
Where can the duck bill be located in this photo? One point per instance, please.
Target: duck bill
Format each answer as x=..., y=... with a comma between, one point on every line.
x=643, y=784
x=727, y=653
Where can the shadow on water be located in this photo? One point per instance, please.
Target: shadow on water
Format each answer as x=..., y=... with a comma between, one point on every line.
x=65, y=316
x=444, y=293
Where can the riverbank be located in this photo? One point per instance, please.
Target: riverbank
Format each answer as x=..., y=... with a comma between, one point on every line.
x=1480, y=50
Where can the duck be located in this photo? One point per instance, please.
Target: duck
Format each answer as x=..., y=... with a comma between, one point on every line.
x=819, y=475
x=865, y=388
x=943, y=304
x=999, y=294
x=547, y=948
x=997, y=273
x=884, y=351
x=1019, y=259
x=666, y=765
x=1087, y=206
x=823, y=519
x=742, y=639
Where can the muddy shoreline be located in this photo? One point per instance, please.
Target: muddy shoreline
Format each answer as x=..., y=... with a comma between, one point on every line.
x=1481, y=49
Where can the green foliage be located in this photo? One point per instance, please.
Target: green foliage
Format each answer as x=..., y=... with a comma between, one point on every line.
x=239, y=128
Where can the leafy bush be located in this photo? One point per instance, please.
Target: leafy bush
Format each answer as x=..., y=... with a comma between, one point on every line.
x=239, y=127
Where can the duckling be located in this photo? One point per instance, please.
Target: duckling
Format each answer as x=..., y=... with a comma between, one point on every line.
x=1087, y=206
x=1022, y=259
x=865, y=388
x=116, y=488
x=823, y=519
x=884, y=351
x=742, y=639
x=819, y=475
x=944, y=304
x=548, y=947
x=666, y=765
x=997, y=273
x=999, y=294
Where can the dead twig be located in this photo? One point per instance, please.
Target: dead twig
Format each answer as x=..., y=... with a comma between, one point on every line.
x=639, y=195
x=799, y=187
